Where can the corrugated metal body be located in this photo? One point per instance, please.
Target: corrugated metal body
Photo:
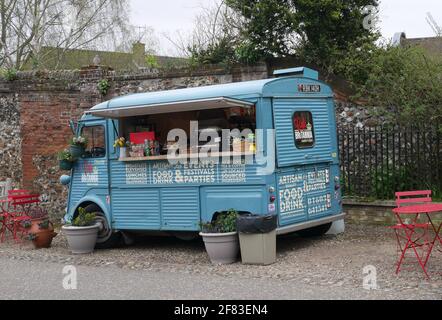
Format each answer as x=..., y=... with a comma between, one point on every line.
x=306, y=193
x=136, y=209
x=287, y=152
x=180, y=209
x=88, y=175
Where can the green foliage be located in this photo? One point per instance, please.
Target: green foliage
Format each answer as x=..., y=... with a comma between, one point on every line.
x=316, y=31
x=383, y=185
x=152, y=62
x=221, y=52
x=84, y=219
x=103, y=86
x=31, y=237
x=404, y=83
x=224, y=223
x=269, y=26
x=9, y=74
x=26, y=224
x=330, y=28
x=44, y=225
x=79, y=141
x=65, y=155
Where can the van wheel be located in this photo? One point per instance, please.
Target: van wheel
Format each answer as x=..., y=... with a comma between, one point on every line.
x=315, y=231
x=107, y=238
x=185, y=236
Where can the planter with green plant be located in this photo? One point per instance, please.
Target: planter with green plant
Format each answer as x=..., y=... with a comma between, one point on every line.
x=77, y=147
x=221, y=238
x=65, y=160
x=103, y=86
x=40, y=228
x=82, y=233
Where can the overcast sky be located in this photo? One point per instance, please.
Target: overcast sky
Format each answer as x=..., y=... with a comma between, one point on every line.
x=168, y=16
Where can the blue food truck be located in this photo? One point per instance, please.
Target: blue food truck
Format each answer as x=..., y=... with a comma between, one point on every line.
x=290, y=168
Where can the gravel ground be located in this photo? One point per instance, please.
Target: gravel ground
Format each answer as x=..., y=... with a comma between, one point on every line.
x=325, y=262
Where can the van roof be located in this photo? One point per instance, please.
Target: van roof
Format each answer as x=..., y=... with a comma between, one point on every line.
x=248, y=90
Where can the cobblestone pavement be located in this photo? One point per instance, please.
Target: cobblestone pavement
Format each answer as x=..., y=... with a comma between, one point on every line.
x=329, y=263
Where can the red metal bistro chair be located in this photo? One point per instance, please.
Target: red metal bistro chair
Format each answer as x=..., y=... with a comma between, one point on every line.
x=22, y=205
x=4, y=219
x=412, y=235
x=7, y=214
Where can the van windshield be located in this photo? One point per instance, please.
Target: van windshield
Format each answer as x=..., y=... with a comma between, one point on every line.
x=95, y=136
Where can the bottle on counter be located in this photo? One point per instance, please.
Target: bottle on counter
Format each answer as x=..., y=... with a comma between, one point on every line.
x=147, y=152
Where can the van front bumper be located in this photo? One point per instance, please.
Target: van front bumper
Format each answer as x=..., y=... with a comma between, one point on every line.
x=309, y=224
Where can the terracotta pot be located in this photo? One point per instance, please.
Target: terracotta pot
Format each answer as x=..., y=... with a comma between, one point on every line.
x=43, y=237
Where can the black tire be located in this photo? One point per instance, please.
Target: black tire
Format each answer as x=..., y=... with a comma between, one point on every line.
x=315, y=231
x=107, y=238
x=186, y=236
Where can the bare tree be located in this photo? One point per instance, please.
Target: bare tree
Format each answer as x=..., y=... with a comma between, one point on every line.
x=124, y=40
x=434, y=25
x=28, y=25
x=212, y=24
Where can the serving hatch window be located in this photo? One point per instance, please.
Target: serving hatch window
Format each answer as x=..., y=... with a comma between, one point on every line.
x=157, y=126
x=303, y=129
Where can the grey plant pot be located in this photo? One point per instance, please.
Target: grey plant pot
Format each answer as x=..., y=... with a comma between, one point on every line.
x=81, y=240
x=222, y=248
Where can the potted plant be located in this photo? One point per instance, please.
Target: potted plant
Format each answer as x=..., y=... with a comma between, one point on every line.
x=82, y=233
x=65, y=160
x=122, y=144
x=221, y=239
x=78, y=146
x=40, y=228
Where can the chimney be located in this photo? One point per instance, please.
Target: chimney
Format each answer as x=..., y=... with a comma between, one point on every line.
x=138, y=54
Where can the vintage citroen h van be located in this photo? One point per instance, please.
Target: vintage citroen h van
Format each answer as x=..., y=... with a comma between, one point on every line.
x=298, y=179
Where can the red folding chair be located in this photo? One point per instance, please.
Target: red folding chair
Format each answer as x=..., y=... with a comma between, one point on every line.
x=7, y=212
x=412, y=235
x=4, y=220
x=21, y=206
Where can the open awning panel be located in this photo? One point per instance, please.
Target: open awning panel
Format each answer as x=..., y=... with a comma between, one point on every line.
x=180, y=106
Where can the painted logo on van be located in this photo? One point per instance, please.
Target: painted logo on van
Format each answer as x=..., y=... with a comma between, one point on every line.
x=89, y=173
x=304, y=193
x=163, y=173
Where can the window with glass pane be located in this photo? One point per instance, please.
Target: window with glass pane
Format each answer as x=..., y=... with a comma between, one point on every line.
x=303, y=129
x=96, y=147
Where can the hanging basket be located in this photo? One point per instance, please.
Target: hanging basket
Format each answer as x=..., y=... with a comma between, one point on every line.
x=76, y=151
x=65, y=165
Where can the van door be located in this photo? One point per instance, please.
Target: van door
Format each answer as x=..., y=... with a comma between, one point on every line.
x=90, y=174
x=303, y=131
x=306, y=150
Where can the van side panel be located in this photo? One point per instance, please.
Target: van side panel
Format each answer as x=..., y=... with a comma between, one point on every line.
x=180, y=209
x=136, y=209
x=242, y=198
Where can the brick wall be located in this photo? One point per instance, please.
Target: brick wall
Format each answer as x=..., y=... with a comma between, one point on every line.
x=36, y=109
x=376, y=212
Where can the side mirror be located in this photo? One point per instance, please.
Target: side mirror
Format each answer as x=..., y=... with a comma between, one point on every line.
x=74, y=126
